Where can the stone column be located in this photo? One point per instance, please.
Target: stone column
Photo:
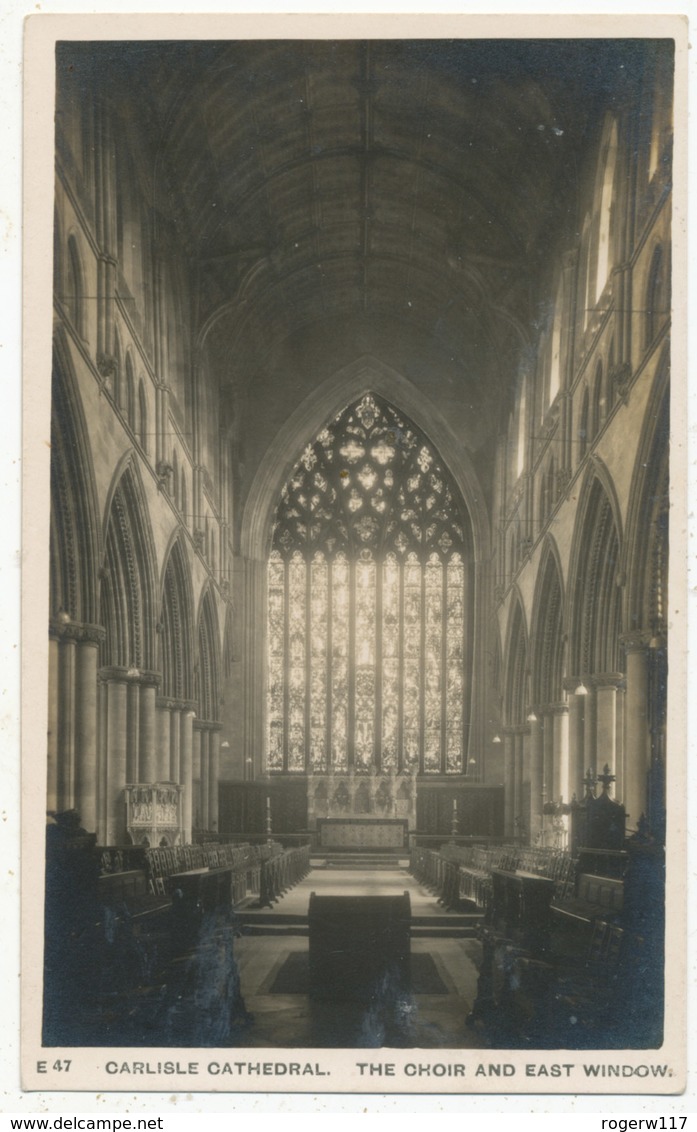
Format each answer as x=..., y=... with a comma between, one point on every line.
x=606, y=721
x=619, y=742
x=147, y=768
x=536, y=778
x=589, y=729
x=116, y=760
x=133, y=745
x=509, y=788
x=52, y=730
x=186, y=772
x=205, y=777
x=86, y=739
x=213, y=779
x=252, y=741
x=174, y=741
x=519, y=818
x=548, y=783
x=548, y=788
x=576, y=768
x=197, y=813
x=560, y=756
x=103, y=699
x=637, y=740
x=73, y=716
x=162, y=765
x=66, y=722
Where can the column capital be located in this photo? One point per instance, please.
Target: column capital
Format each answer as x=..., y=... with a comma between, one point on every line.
x=136, y=676
x=614, y=680
x=149, y=679
x=76, y=631
x=112, y=673
x=637, y=640
x=207, y=724
x=551, y=708
x=170, y=703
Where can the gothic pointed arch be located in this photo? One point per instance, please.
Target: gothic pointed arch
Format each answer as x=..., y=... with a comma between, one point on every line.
x=594, y=597
x=127, y=590
x=547, y=666
x=322, y=406
x=516, y=691
x=175, y=627
x=370, y=602
x=74, y=284
x=207, y=674
x=74, y=532
x=648, y=513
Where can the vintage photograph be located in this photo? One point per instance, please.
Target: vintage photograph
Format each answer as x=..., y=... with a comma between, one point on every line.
x=359, y=553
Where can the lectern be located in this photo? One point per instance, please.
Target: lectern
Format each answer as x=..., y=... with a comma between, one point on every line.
x=359, y=946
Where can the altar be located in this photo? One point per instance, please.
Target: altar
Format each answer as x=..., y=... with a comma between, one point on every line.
x=361, y=811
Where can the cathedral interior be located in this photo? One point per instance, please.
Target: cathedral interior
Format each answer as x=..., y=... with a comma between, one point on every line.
x=359, y=543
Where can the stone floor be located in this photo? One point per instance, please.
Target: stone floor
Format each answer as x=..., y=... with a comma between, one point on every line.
x=409, y=1021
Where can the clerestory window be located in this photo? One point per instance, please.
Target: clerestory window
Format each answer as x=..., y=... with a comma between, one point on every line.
x=369, y=604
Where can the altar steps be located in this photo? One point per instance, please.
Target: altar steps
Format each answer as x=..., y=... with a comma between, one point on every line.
x=264, y=922
x=360, y=861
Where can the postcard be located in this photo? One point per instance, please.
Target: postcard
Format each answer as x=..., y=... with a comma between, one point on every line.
x=354, y=741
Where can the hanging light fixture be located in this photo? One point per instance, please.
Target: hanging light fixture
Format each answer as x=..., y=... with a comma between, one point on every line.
x=496, y=739
x=581, y=690
x=531, y=717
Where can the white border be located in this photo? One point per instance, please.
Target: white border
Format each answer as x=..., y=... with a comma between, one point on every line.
x=13, y=1099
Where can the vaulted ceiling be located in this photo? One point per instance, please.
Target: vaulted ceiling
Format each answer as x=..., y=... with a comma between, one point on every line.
x=398, y=196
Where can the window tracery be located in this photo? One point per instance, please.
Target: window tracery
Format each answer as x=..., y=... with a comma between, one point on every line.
x=367, y=593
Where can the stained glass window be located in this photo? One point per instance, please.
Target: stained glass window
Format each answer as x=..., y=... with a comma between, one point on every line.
x=368, y=599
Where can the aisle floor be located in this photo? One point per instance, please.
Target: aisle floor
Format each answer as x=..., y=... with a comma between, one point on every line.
x=426, y=1020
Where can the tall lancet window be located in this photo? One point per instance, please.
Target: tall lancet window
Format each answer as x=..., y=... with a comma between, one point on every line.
x=369, y=604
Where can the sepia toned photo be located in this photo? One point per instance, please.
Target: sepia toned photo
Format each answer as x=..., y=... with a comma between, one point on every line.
x=357, y=769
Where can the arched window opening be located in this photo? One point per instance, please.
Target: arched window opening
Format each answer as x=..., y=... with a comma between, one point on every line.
x=184, y=497
x=598, y=401
x=555, y=365
x=512, y=553
x=586, y=260
x=610, y=379
x=176, y=645
x=522, y=414
x=116, y=389
x=542, y=509
x=175, y=479
x=605, y=218
x=583, y=427
x=551, y=485
x=129, y=406
x=368, y=604
x=656, y=297
x=142, y=417
x=74, y=288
